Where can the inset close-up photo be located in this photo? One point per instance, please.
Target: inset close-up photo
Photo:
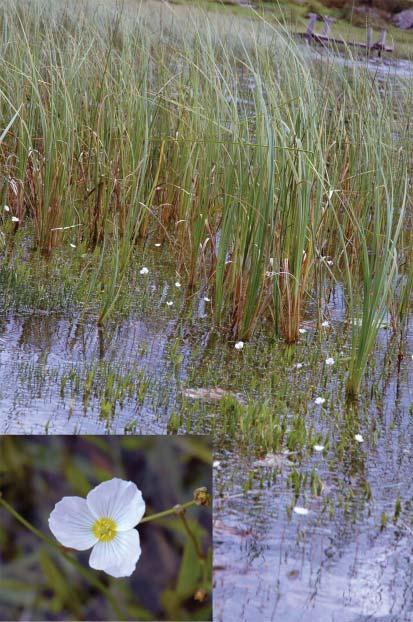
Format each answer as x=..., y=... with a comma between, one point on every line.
x=105, y=528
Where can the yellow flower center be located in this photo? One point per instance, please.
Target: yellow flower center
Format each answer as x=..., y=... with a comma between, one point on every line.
x=104, y=529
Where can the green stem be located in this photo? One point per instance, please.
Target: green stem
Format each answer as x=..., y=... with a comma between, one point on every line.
x=147, y=519
x=82, y=570
x=192, y=536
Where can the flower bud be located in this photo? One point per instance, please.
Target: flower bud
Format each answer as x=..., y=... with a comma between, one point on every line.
x=202, y=496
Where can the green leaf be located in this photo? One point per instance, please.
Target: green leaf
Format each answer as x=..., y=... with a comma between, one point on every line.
x=189, y=572
x=139, y=613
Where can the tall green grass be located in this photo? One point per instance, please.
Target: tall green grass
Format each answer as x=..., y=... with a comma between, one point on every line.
x=266, y=170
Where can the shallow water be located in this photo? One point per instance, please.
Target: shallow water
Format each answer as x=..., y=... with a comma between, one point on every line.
x=61, y=374
x=385, y=67
x=337, y=563
x=45, y=360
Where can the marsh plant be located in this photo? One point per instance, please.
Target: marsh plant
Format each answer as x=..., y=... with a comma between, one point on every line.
x=105, y=522
x=101, y=531
x=267, y=173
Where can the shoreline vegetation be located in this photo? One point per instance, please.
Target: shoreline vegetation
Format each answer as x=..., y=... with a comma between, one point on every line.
x=267, y=174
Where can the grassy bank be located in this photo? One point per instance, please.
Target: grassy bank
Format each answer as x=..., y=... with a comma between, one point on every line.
x=267, y=175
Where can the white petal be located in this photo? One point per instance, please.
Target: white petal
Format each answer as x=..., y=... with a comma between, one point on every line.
x=71, y=523
x=119, y=556
x=117, y=499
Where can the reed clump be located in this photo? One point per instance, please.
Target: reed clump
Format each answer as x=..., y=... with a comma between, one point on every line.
x=267, y=172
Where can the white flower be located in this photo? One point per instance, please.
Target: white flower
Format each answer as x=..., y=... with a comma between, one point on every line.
x=14, y=219
x=319, y=400
x=239, y=345
x=169, y=303
x=298, y=365
x=359, y=438
x=207, y=299
x=216, y=464
x=318, y=448
x=325, y=324
x=329, y=262
x=301, y=511
x=330, y=361
x=72, y=245
x=143, y=270
x=157, y=244
x=302, y=331
x=105, y=520
x=177, y=284
x=6, y=208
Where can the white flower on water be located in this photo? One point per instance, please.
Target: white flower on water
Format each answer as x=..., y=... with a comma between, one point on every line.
x=143, y=270
x=359, y=438
x=330, y=361
x=302, y=331
x=300, y=511
x=239, y=345
x=6, y=208
x=169, y=303
x=319, y=400
x=325, y=324
x=105, y=520
x=14, y=219
x=178, y=285
x=318, y=448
